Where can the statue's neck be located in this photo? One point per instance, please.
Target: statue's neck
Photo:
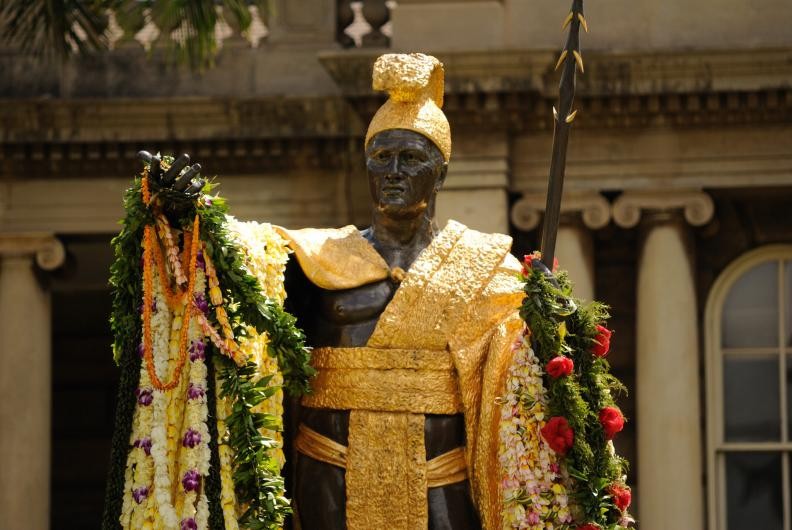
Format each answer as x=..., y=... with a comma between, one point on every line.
x=399, y=241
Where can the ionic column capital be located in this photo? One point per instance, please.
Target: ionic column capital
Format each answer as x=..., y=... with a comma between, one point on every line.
x=593, y=208
x=47, y=250
x=696, y=206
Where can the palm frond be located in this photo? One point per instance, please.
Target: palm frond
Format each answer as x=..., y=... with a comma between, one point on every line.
x=62, y=28
x=54, y=27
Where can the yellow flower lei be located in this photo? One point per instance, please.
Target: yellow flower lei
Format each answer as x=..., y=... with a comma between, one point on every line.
x=266, y=254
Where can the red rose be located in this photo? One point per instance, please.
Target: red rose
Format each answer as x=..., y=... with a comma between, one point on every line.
x=602, y=345
x=589, y=526
x=558, y=434
x=611, y=420
x=527, y=264
x=622, y=496
x=560, y=366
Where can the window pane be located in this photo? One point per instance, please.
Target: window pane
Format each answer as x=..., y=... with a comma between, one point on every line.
x=753, y=491
x=750, y=314
x=750, y=399
x=788, y=298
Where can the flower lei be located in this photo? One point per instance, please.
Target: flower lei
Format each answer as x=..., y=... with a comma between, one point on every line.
x=170, y=439
x=570, y=341
x=160, y=467
x=532, y=483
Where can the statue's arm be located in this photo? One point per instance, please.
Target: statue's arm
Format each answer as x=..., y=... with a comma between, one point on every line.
x=298, y=303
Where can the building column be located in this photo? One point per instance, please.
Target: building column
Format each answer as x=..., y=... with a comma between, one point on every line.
x=25, y=380
x=582, y=213
x=670, y=486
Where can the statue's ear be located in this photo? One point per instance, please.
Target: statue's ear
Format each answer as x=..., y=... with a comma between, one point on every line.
x=441, y=177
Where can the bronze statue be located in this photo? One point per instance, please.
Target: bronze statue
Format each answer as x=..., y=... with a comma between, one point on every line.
x=405, y=171
x=412, y=329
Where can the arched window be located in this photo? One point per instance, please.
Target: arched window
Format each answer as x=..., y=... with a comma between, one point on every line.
x=749, y=393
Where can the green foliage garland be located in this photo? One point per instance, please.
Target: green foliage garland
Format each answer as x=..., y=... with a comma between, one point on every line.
x=562, y=325
x=126, y=280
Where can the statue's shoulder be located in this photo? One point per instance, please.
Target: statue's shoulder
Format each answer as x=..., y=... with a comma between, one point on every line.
x=485, y=241
x=335, y=258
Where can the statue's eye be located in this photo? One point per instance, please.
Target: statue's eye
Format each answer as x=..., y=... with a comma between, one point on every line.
x=409, y=157
x=381, y=156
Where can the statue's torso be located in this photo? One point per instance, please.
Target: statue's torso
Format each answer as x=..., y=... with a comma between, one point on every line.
x=347, y=318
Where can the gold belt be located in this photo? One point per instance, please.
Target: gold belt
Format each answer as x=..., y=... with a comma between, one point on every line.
x=387, y=392
x=448, y=468
x=393, y=380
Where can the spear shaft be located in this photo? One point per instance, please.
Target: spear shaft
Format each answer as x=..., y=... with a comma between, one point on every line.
x=563, y=116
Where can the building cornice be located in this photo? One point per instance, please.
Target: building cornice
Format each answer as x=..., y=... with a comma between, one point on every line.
x=515, y=89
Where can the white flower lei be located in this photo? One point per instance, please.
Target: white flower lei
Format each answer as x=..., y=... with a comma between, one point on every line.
x=532, y=481
x=165, y=421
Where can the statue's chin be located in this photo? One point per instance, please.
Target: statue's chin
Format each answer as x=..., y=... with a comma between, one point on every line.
x=399, y=210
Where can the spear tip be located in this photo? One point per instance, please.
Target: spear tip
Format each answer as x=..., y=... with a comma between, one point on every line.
x=578, y=60
x=567, y=20
x=583, y=22
x=561, y=59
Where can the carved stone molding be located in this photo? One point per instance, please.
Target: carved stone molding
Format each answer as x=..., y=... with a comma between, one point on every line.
x=593, y=207
x=697, y=206
x=46, y=248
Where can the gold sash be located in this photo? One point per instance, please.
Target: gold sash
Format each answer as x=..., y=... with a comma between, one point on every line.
x=385, y=380
x=387, y=391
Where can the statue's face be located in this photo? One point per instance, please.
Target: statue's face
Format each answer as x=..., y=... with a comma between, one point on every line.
x=405, y=171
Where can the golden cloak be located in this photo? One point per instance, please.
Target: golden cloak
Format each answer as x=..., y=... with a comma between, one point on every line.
x=442, y=345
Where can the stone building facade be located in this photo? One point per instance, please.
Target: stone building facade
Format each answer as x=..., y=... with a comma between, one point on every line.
x=676, y=212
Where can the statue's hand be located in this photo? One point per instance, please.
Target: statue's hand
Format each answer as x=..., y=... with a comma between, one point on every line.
x=538, y=265
x=175, y=178
x=178, y=186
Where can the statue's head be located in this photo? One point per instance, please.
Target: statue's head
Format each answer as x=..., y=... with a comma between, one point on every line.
x=405, y=172
x=408, y=143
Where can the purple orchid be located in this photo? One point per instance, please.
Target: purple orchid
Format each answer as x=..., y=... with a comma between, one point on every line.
x=197, y=350
x=201, y=303
x=139, y=494
x=145, y=444
x=195, y=391
x=191, y=481
x=191, y=438
x=144, y=396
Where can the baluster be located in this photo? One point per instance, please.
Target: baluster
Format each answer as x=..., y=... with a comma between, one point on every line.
x=377, y=14
x=149, y=33
x=129, y=17
x=344, y=18
x=258, y=29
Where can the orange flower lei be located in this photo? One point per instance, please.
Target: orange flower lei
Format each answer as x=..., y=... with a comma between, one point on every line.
x=151, y=252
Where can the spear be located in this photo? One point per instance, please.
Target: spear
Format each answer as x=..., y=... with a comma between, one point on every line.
x=563, y=116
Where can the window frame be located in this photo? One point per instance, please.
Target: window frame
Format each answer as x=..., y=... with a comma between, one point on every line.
x=717, y=446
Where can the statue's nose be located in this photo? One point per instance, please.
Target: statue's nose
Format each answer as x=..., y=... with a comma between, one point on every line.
x=393, y=168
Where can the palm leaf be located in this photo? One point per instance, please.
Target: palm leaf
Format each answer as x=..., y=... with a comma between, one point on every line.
x=63, y=28
x=54, y=27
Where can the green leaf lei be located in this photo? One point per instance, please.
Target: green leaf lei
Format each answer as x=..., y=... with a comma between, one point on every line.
x=257, y=480
x=562, y=325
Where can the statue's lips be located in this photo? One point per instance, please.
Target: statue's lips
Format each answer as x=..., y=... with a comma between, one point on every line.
x=392, y=190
